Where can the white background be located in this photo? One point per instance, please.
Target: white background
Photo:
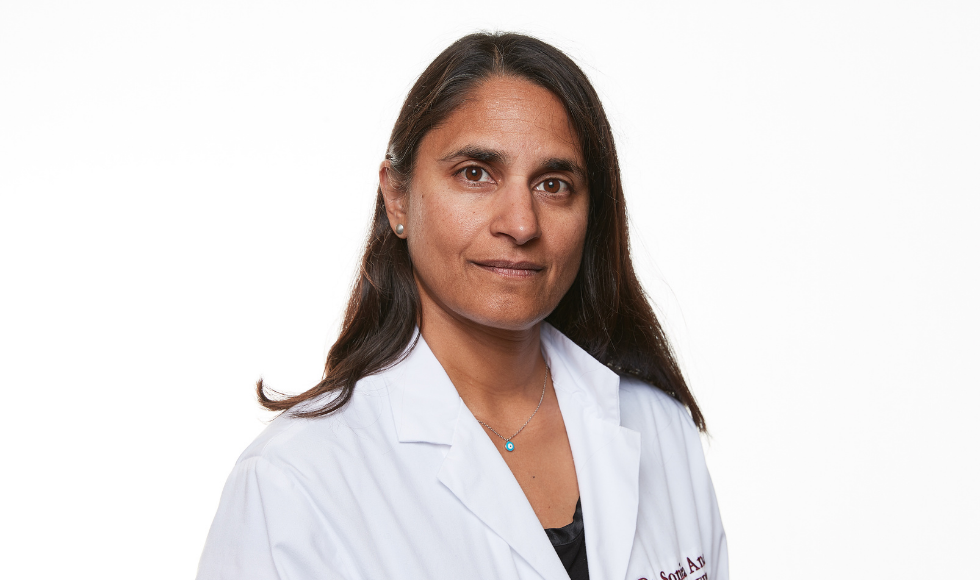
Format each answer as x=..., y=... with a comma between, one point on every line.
x=186, y=187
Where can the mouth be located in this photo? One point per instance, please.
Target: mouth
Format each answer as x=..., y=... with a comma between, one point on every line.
x=510, y=269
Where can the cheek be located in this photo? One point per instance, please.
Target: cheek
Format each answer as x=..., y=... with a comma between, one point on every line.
x=440, y=226
x=571, y=243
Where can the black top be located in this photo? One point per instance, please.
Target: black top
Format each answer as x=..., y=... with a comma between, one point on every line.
x=569, y=543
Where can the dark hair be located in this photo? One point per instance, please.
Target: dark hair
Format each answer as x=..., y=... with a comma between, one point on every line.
x=606, y=311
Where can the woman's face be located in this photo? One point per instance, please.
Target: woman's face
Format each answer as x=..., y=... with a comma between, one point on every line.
x=496, y=209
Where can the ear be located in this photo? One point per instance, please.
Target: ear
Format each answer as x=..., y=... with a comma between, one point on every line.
x=396, y=200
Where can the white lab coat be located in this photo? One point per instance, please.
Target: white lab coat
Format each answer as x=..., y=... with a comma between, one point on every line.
x=405, y=484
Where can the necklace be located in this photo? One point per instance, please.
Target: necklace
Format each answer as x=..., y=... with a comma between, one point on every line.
x=508, y=444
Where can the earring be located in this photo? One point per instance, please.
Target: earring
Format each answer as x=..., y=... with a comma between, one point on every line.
x=400, y=229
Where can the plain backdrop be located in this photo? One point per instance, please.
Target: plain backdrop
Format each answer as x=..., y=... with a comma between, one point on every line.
x=185, y=188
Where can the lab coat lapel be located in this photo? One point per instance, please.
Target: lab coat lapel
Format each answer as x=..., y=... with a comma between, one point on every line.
x=607, y=455
x=426, y=408
x=476, y=473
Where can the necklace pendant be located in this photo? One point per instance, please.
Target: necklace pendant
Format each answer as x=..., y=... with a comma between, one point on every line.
x=509, y=446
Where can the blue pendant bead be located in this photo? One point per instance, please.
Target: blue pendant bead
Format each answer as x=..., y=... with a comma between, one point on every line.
x=508, y=444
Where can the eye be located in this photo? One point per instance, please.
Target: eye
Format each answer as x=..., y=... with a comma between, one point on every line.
x=553, y=186
x=474, y=173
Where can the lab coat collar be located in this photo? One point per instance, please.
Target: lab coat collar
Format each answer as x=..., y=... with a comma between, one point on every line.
x=424, y=401
x=427, y=408
x=591, y=379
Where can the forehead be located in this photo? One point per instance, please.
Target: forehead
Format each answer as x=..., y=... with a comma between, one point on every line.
x=512, y=115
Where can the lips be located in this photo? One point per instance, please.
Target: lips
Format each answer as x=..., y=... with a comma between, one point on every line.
x=507, y=268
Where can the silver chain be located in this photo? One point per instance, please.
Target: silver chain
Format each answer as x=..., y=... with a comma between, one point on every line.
x=544, y=387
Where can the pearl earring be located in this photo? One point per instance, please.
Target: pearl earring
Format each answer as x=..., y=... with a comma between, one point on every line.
x=400, y=229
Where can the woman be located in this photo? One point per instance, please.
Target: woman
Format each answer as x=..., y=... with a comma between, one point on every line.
x=501, y=401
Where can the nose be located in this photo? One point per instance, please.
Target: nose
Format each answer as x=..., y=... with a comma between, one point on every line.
x=515, y=215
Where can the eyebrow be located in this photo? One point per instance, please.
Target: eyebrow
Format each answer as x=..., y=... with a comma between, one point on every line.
x=478, y=153
x=494, y=156
x=566, y=165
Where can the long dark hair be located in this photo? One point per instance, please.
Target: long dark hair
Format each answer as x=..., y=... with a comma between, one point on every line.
x=606, y=311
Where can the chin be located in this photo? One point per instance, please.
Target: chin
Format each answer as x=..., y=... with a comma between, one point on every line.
x=508, y=318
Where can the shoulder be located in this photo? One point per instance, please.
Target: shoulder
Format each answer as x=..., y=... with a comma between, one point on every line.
x=642, y=404
x=664, y=424
x=295, y=442
x=290, y=485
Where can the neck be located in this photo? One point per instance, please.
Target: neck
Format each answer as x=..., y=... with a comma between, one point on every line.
x=494, y=370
